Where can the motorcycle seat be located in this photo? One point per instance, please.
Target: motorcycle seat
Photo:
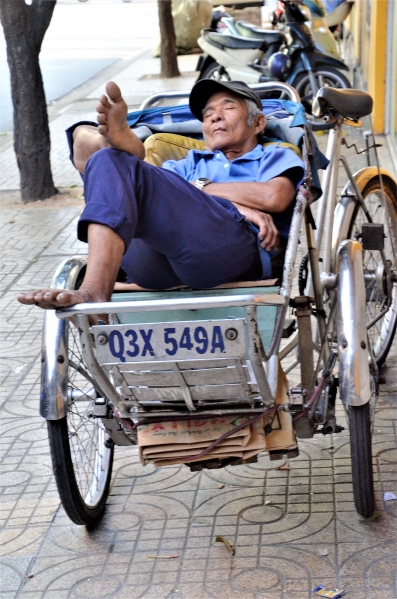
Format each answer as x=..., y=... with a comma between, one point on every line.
x=351, y=103
x=251, y=31
x=235, y=42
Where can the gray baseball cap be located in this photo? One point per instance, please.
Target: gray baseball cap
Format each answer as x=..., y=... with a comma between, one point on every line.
x=205, y=88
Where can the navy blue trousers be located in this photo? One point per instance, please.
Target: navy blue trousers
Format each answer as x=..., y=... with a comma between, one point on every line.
x=173, y=233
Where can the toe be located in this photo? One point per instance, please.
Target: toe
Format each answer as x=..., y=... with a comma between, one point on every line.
x=113, y=91
x=103, y=105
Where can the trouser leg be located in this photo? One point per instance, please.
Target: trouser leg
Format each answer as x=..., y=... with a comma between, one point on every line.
x=193, y=238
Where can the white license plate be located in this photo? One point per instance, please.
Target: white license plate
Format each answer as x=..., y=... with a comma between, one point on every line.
x=169, y=341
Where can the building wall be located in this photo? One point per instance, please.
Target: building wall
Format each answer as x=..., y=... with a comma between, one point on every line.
x=373, y=24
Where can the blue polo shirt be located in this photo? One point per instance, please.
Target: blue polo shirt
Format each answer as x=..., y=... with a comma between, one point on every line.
x=260, y=164
x=331, y=5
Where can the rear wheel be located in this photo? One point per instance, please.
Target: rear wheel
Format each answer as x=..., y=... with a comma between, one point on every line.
x=215, y=71
x=81, y=453
x=382, y=210
x=325, y=77
x=361, y=459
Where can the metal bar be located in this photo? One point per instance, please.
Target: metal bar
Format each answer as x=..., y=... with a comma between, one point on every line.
x=257, y=355
x=291, y=366
x=292, y=246
x=269, y=299
x=331, y=203
x=325, y=183
x=102, y=382
x=377, y=317
x=316, y=282
x=290, y=345
x=184, y=93
x=196, y=416
x=183, y=387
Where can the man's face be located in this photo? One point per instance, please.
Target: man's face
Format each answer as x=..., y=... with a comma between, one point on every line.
x=225, y=125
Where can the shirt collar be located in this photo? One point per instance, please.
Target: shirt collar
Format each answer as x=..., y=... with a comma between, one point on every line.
x=253, y=154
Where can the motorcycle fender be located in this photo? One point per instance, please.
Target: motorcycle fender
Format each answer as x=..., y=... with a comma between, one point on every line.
x=203, y=62
x=354, y=374
x=318, y=59
x=345, y=207
x=235, y=62
x=298, y=68
x=54, y=367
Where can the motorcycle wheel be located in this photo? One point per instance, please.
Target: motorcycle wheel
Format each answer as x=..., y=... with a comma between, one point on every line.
x=214, y=71
x=82, y=456
x=383, y=209
x=325, y=77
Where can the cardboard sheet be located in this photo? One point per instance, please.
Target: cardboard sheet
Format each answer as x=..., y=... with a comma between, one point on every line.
x=168, y=443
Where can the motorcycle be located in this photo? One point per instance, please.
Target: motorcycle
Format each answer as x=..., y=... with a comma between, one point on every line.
x=270, y=57
x=317, y=21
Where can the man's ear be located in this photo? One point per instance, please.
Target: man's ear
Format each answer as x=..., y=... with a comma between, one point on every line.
x=260, y=123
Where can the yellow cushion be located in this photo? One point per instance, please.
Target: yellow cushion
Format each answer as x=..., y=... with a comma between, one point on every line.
x=169, y=146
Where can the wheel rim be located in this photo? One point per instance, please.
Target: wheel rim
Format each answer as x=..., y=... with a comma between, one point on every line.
x=381, y=330
x=218, y=75
x=323, y=79
x=87, y=436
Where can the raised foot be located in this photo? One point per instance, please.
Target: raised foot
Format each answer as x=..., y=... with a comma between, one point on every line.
x=112, y=119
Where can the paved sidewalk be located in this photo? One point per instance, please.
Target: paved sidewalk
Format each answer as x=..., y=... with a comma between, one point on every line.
x=292, y=528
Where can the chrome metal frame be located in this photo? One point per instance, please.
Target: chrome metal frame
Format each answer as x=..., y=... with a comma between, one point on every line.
x=54, y=371
x=184, y=93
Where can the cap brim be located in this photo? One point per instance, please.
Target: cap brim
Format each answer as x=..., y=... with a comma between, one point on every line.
x=205, y=88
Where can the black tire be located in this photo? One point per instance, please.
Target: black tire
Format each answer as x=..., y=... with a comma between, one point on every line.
x=381, y=334
x=361, y=459
x=325, y=77
x=215, y=71
x=81, y=461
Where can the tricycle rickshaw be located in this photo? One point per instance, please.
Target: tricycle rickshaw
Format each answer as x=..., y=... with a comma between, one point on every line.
x=199, y=377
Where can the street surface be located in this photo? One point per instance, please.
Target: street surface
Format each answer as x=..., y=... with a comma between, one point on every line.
x=83, y=38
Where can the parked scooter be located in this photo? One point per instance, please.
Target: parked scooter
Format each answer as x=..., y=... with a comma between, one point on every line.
x=270, y=57
x=323, y=37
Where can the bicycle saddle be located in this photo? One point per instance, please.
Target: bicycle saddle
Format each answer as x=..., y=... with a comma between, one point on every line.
x=251, y=31
x=351, y=103
x=235, y=42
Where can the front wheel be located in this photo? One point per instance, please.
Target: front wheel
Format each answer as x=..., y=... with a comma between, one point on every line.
x=361, y=459
x=81, y=451
x=325, y=77
x=215, y=71
x=383, y=210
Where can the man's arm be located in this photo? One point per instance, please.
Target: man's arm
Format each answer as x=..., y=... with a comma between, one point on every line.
x=268, y=233
x=273, y=196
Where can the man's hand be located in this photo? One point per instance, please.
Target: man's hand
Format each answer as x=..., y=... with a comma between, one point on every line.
x=268, y=233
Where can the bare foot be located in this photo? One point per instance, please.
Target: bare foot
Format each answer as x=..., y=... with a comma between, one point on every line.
x=113, y=126
x=53, y=299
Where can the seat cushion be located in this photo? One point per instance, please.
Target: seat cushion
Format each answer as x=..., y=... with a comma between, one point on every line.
x=170, y=146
